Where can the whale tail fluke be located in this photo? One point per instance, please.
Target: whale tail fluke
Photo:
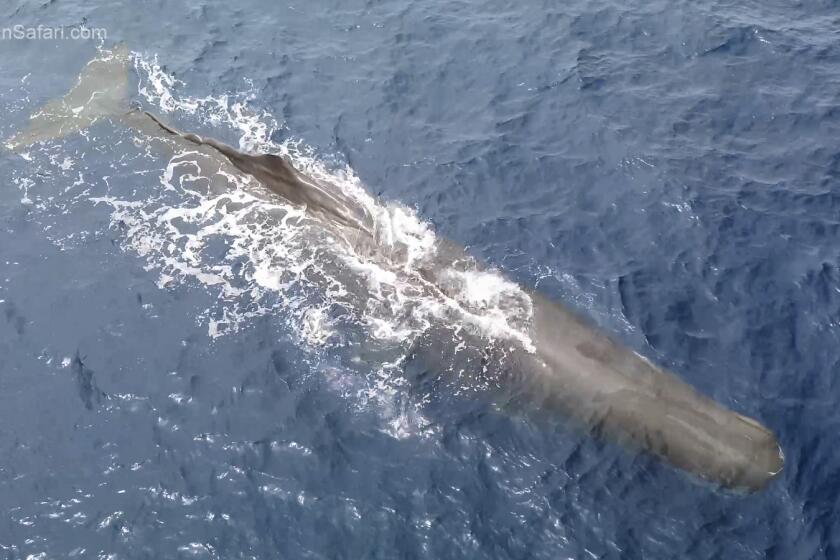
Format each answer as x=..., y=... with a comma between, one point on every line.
x=101, y=91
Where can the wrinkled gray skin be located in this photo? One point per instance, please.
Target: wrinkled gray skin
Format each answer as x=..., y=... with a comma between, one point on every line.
x=604, y=386
x=277, y=173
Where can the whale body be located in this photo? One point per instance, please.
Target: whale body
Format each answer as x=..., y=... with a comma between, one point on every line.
x=569, y=367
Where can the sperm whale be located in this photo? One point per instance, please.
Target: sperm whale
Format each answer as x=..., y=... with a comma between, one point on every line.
x=568, y=365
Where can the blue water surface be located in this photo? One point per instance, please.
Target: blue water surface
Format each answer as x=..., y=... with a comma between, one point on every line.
x=669, y=169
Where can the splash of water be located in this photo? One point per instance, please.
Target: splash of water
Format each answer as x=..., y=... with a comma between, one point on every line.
x=261, y=256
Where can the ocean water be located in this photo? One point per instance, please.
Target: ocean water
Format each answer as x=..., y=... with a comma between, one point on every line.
x=188, y=373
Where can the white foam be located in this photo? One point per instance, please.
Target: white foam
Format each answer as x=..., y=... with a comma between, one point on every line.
x=276, y=260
